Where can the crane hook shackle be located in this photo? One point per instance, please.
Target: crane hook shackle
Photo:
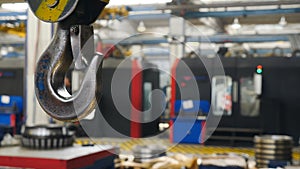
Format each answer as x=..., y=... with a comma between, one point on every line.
x=49, y=80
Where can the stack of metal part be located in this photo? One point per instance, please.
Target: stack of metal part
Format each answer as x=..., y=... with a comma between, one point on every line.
x=272, y=149
x=144, y=153
x=47, y=137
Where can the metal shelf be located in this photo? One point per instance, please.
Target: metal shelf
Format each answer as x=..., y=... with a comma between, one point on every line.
x=12, y=63
x=7, y=39
x=13, y=17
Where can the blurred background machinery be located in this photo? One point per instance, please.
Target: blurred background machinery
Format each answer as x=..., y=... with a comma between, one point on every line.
x=254, y=93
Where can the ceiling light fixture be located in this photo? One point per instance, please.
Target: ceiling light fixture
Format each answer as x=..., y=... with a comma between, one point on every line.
x=236, y=24
x=141, y=27
x=15, y=6
x=282, y=21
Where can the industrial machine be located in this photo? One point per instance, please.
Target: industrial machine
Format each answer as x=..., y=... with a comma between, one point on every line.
x=189, y=106
x=259, y=98
x=11, y=96
x=136, y=113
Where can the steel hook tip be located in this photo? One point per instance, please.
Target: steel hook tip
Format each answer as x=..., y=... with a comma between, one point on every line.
x=49, y=81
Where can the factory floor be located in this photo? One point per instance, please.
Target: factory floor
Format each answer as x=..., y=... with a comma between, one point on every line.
x=126, y=146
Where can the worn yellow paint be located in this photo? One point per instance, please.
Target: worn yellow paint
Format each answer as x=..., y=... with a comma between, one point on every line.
x=106, y=1
x=44, y=12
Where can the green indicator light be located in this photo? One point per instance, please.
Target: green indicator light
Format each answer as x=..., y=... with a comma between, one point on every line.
x=259, y=71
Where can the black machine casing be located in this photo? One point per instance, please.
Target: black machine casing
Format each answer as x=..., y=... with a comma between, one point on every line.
x=279, y=102
x=111, y=122
x=11, y=77
x=12, y=84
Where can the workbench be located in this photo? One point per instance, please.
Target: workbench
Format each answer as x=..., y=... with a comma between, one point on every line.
x=92, y=157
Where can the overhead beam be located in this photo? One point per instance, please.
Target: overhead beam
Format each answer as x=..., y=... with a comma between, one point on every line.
x=232, y=4
x=190, y=15
x=11, y=1
x=218, y=14
x=203, y=39
x=212, y=5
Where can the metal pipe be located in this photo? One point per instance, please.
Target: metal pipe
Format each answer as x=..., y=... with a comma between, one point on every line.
x=203, y=39
x=190, y=15
x=226, y=5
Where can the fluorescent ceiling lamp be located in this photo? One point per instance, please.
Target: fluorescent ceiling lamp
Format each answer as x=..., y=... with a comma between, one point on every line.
x=15, y=6
x=136, y=2
x=141, y=27
x=282, y=21
x=236, y=24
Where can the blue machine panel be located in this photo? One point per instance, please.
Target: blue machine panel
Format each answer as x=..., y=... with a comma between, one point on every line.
x=11, y=101
x=5, y=119
x=187, y=131
x=11, y=110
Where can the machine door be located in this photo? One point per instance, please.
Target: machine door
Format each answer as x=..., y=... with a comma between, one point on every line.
x=231, y=93
x=250, y=90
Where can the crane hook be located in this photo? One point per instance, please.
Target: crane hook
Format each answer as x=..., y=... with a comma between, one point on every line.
x=65, y=49
x=50, y=73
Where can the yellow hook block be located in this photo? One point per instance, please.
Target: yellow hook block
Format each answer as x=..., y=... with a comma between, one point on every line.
x=51, y=10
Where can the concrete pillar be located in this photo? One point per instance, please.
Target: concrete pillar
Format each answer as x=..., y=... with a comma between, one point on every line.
x=38, y=37
x=177, y=38
x=137, y=51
